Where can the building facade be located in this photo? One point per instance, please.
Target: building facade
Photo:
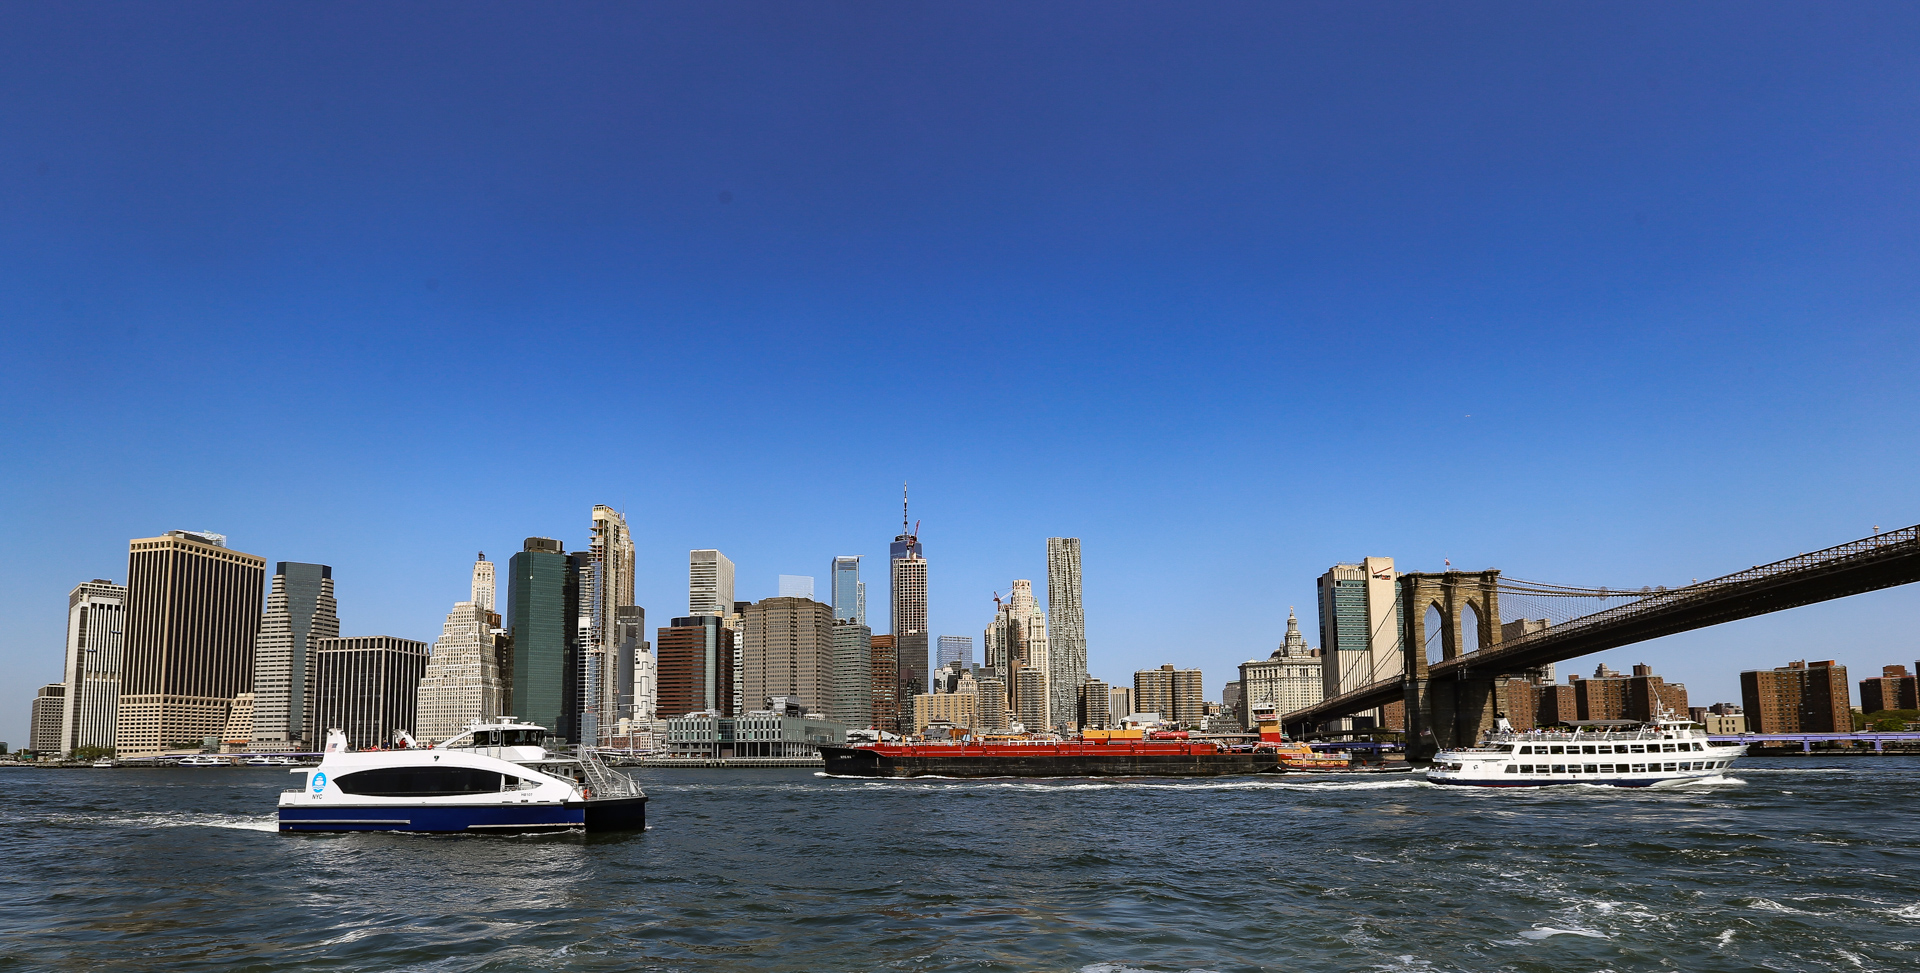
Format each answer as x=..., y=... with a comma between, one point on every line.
x=1893, y=689
x=301, y=610
x=1287, y=680
x=1360, y=635
x=543, y=618
x=1800, y=697
x=1178, y=695
x=1016, y=642
x=709, y=583
x=884, y=696
x=1642, y=696
x=193, y=612
x=1119, y=704
x=848, y=598
x=483, y=584
x=696, y=667
x=463, y=680
x=96, y=643
x=955, y=650
x=49, y=712
x=1096, y=698
x=908, y=571
x=1066, y=631
x=852, y=673
x=789, y=652
x=606, y=678
x=367, y=687
x=958, y=709
x=1031, y=702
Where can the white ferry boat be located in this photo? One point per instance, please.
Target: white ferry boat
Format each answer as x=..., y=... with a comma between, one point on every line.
x=1663, y=753
x=496, y=777
x=205, y=760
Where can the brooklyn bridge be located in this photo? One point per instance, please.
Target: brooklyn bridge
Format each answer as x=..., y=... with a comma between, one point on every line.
x=1451, y=700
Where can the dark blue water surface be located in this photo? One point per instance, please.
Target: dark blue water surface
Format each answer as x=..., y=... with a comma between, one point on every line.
x=1792, y=864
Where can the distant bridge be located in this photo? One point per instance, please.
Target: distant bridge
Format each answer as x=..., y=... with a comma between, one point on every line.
x=1452, y=701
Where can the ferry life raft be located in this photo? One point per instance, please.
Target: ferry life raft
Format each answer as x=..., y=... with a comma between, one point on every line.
x=1074, y=758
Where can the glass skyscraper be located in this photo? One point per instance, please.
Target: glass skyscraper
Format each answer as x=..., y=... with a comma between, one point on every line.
x=955, y=649
x=848, y=599
x=543, y=608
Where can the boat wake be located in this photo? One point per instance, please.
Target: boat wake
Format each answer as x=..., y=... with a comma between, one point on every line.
x=169, y=819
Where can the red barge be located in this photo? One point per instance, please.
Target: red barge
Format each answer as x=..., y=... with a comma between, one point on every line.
x=1070, y=758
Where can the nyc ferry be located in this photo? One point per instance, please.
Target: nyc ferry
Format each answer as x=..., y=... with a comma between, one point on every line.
x=1663, y=753
x=495, y=778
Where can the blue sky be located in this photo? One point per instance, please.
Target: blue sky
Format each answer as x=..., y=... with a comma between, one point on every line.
x=1611, y=294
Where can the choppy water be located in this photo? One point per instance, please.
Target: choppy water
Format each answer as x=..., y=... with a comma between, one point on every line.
x=1789, y=865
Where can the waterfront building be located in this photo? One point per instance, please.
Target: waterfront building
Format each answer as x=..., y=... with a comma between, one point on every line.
x=1360, y=636
x=1719, y=725
x=483, y=586
x=1095, y=698
x=709, y=583
x=849, y=595
x=789, y=651
x=1893, y=689
x=1015, y=642
x=852, y=673
x=1642, y=696
x=239, y=730
x=1287, y=680
x=796, y=586
x=543, y=617
x=908, y=571
x=885, y=680
x=991, y=713
x=781, y=730
x=193, y=612
x=956, y=650
x=463, y=680
x=301, y=610
x=96, y=641
x=1176, y=694
x=696, y=666
x=1066, y=631
x=1555, y=704
x=606, y=590
x=49, y=712
x=367, y=687
x=1233, y=702
x=1119, y=704
x=1800, y=697
x=958, y=709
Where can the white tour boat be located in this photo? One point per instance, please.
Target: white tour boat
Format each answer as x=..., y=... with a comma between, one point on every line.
x=1663, y=753
x=496, y=777
x=205, y=760
x=272, y=762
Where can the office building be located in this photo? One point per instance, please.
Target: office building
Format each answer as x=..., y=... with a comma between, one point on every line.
x=991, y=713
x=464, y=680
x=1015, y=642
x=955, y=650
x=300, y=611
x=1119, y=704
x=483, y=586
x=543, y=618
x=1893, y=689
x=709, y=583
x=1066, y=631
x=1178, y=695
x=1285, y=681
x=1800, y=697
x=852, y=673
x=1030, y=700
x=1096, y=698
x=956, y=709
x=1360, y=636
x=193, y=612
x=606, y=588
x=367, y=687
x=1642, y=696
x=885, y=694
x=96, y=642
x=796, y=586
x=239, y=731
x=849, y=595
x=908, y=571
x=49, y=712
x=639, y=675
x=696, y=666
x=789, y=651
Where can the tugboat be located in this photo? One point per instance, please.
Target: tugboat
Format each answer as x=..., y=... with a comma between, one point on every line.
x=1664, y=753
x=497, y=777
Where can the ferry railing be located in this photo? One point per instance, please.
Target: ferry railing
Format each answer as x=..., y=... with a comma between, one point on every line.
x=604, y=781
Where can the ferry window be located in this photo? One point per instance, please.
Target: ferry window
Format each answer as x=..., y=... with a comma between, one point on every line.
x=1606, y=768
x=1593, y=768
x=1526, y=768
x=1639, y=768
x=1559, y=768
x=1637, y=748
x=418, y=782
x=1559, y=749
x=1526, y=749
x=1670, y=767
x=1697, y=746
x=1587, y=749
x=1513, y=768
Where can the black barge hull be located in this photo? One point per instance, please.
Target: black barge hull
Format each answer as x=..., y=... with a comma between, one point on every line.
x=858, y=762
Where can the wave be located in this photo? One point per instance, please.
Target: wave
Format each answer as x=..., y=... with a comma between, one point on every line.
x=1768, y=905
x=1907, y=911
x=172, y=819
x=1544, y=932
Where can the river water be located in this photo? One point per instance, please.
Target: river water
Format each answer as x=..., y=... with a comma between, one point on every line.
x=1790, y=864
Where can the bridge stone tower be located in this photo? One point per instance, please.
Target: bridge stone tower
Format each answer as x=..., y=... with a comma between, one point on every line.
x=1453, y=711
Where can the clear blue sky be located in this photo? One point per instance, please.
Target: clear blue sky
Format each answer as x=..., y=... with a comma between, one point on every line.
x=1612, y=294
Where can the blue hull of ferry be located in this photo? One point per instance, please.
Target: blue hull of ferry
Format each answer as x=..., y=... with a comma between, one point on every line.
x=617, y=815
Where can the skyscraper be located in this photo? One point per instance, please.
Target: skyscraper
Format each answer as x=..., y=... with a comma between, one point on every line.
x=463, y=680
x=847, y=596
x=796, y=586
x=300, y=610
x=96, y=639
x=709, y=583
x=483, y=582
x=852, y=673
x=1066, y=630
x=634, y=661
x=49, y=712
x=367, y=687
x=611, y=552
x=543, y=610
x=789, y=652
x=955, y=650
x=193, y=611
x=1360, y=633
x=1016, y=642
x=885, y=681
x=696, y=660
x=909, y=577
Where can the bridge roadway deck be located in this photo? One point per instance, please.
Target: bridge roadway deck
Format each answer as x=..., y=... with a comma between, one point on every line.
x=1884, y=560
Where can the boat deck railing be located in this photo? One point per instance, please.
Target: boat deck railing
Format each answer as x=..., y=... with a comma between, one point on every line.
x=606, y=782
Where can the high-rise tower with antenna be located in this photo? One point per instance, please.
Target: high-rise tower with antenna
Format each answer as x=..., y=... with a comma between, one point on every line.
x=909, y=576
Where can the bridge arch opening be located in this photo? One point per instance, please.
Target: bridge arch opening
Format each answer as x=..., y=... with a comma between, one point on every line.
x=1436, y=626
x=1470, y=629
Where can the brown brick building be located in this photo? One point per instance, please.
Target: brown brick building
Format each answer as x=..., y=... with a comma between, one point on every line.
x=694, y=666
x=1894, y=689
x=1800, y=697
x=886, y=684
